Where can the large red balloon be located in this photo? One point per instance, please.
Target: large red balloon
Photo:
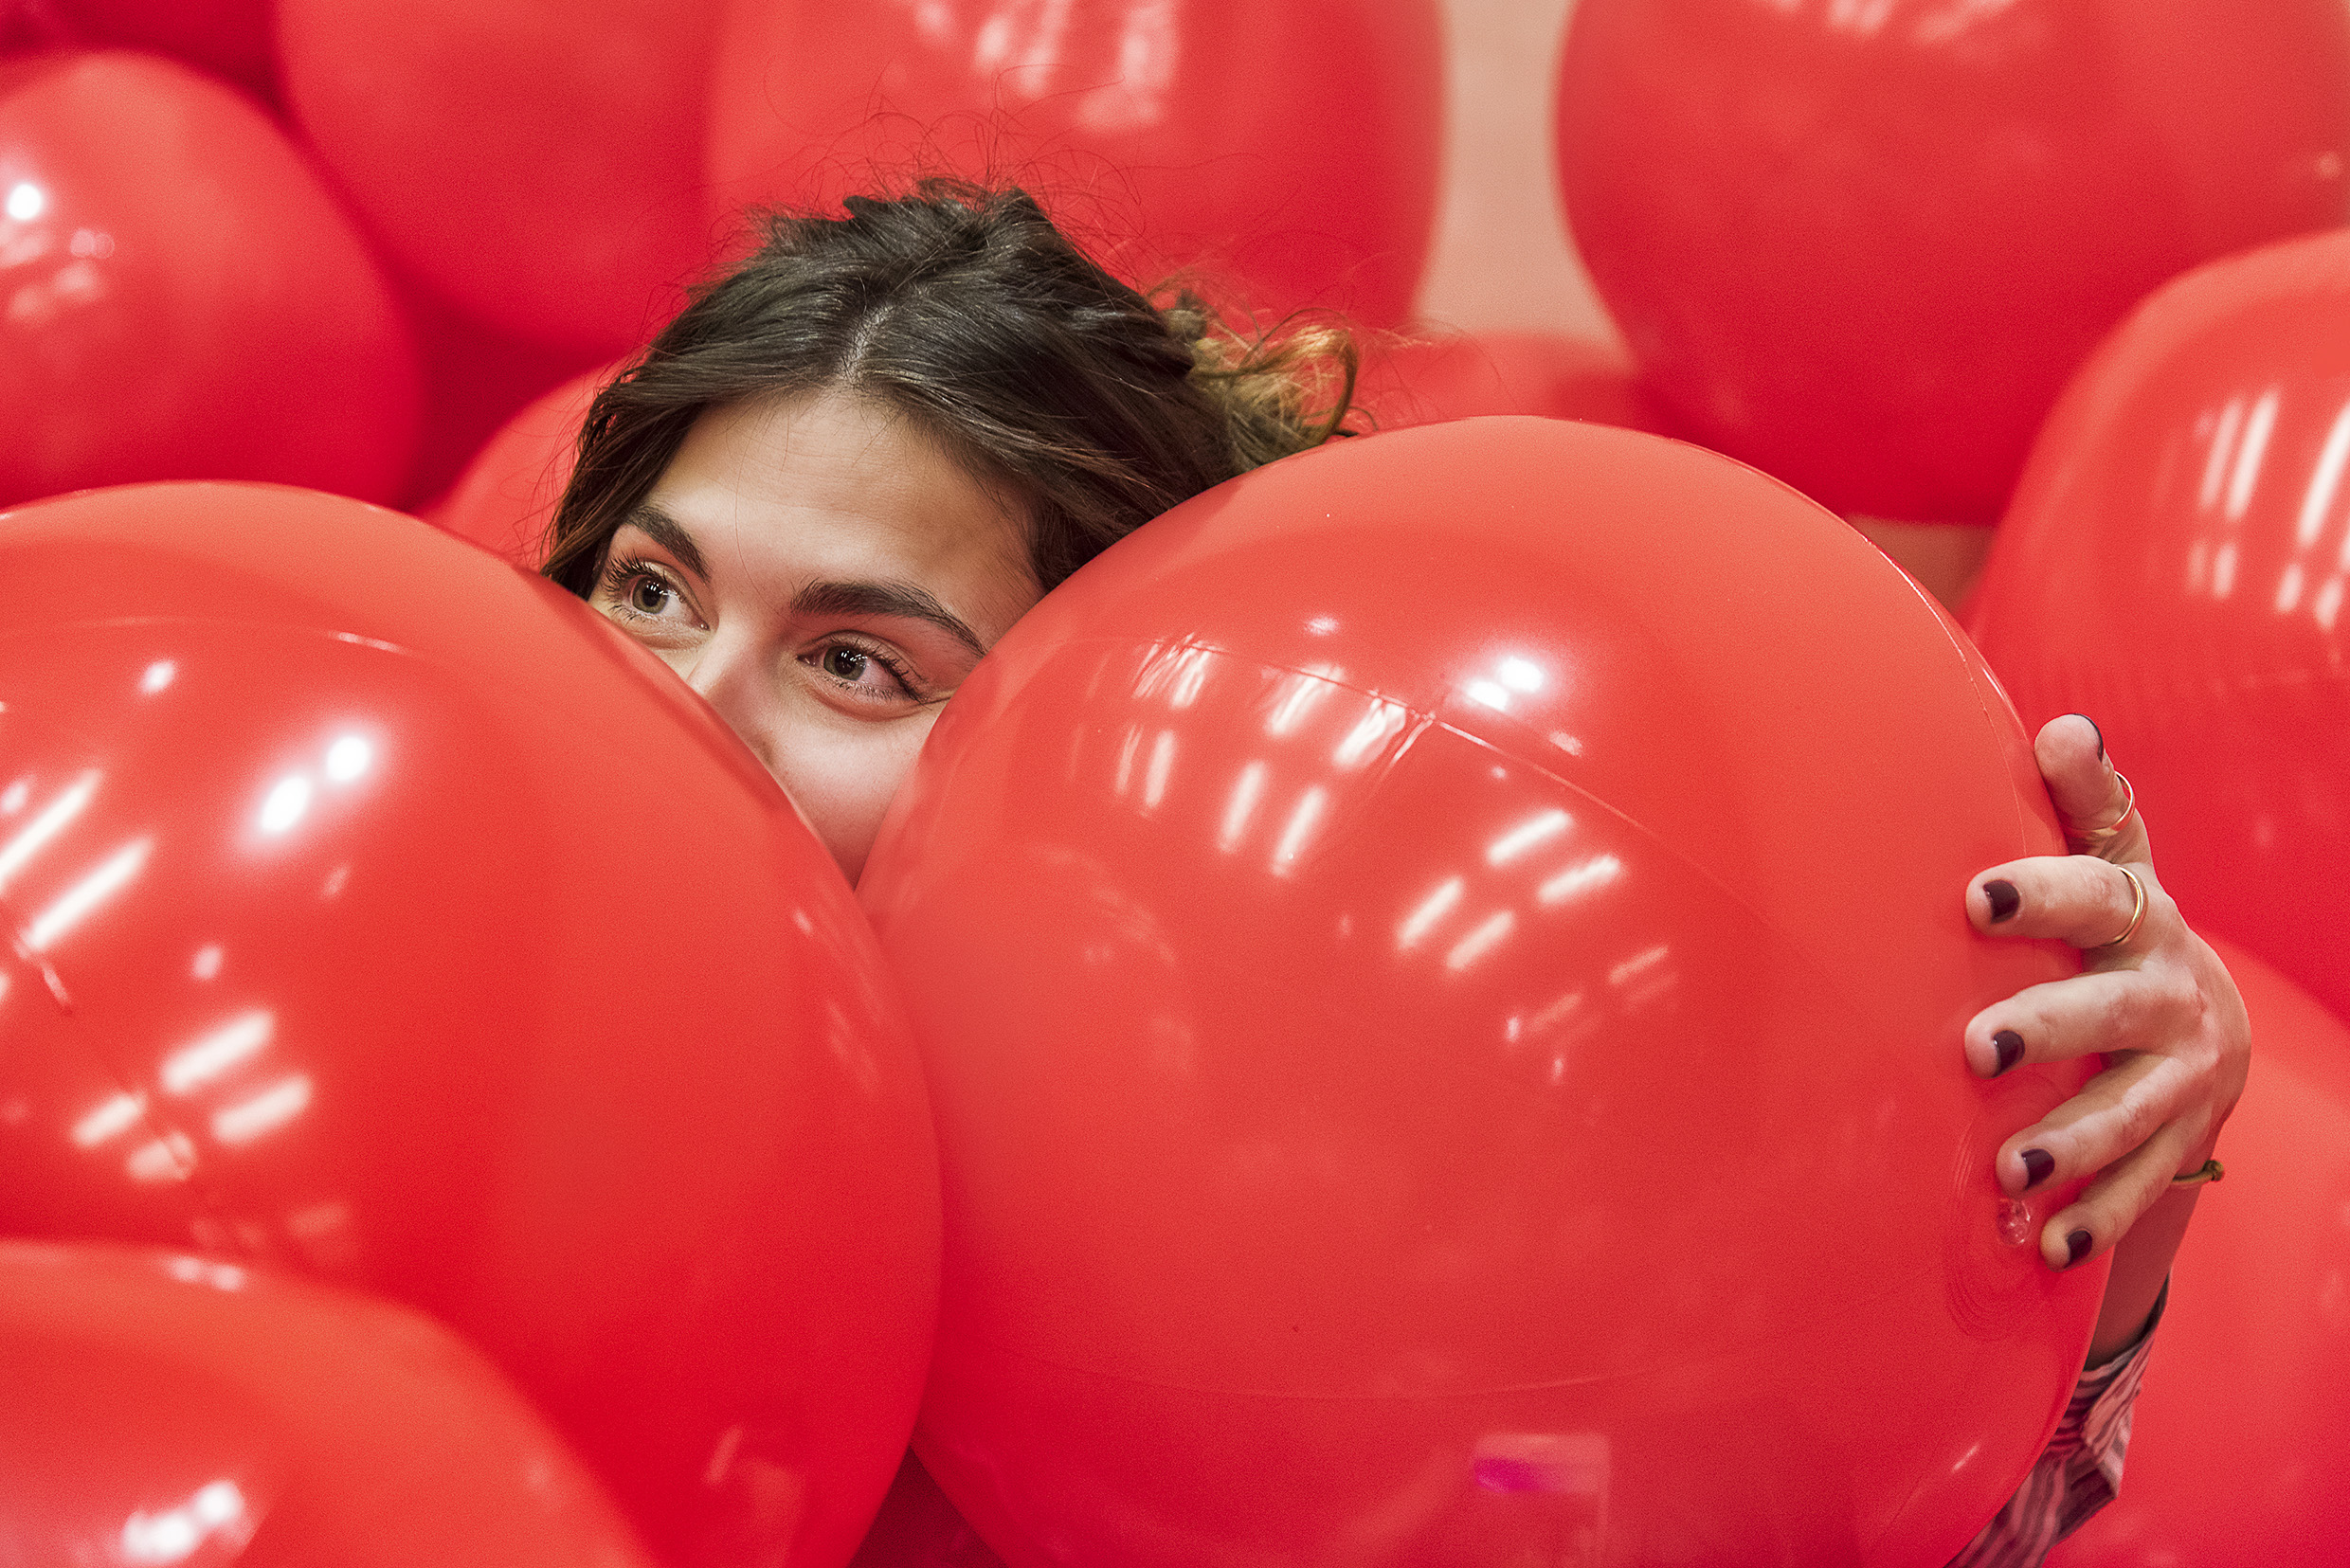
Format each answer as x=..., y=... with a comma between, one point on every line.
x=171, y=1409
x=179, y=297
x=505, y=499
x=537, y=161
x=385, y=914
x=229, y=37
x=1288, y=149
x=1861, y=244
x=2238, y=1445
x=1441, y=964
x=2175, y=567
x=1427, y=380
x=476, y=379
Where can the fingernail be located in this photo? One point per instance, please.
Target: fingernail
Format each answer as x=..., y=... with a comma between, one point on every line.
x=2101, y=734
x=2037, y=1163
x=2005, y=900
x=2010, y=1045
x=2077, y=1248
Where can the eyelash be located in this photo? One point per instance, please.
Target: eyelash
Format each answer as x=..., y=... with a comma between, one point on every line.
x=616, y=576
x=617, y=572
x=896, y=666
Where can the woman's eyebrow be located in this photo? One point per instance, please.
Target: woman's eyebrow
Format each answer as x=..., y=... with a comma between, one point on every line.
x=666, y=531
x=904, y=600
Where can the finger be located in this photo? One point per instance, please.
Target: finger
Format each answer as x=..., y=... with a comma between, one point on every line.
x=2063, y=1019
x=2113, y=1115
x=2088, y=793
x=2109, y=1206
x=2075, y=899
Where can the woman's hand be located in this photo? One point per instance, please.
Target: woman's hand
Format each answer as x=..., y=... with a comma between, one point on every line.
x=2160, y=1006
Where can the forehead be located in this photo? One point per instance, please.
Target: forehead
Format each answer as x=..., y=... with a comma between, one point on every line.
x=832, y=485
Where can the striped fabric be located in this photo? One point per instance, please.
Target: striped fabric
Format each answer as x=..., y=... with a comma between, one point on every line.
x=2079, y=1471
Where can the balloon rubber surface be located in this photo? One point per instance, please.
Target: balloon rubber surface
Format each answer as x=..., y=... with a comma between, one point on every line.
x=1862, y=247
x=2175, y=567
x=384, y=915
x=1441, y=964
x=170, y=1408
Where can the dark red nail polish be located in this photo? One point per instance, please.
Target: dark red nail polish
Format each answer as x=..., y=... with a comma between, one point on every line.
x=2004, y=899
x=2010, y=1045
x=2101, y=734
x=2077, y=1248
x=2037, y=1163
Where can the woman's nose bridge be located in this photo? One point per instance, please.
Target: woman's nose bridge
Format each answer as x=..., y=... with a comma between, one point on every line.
x=734, y=675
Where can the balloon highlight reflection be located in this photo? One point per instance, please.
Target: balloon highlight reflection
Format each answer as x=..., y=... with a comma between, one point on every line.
x=2175, y=564
x=1410, y=1073
x=334, y=951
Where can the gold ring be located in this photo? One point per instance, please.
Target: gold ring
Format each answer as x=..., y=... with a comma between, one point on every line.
x=2095, y=841
x=2137, y=911
x=2210, y=1170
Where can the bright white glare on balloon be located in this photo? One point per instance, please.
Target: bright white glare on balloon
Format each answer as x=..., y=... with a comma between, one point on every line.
x=347, y=758
x=285, y=804
x=172, y=1535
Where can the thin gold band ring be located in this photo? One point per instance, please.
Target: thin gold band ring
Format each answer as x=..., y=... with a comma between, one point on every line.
x=2137, y=911
x=2094, y=841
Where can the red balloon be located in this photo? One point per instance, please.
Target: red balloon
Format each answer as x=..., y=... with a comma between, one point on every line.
x=229, y=37
x=170, y=1409
x=537, y=161
x=474, y=380
x=2175, y=565
x=412, y=928
x=506, y=497
x=1426, y=381
x=918, y=1527
x=1289, y=149
x=1861, y=245
x=30, y=25
x=1441, y=964
x=179, y=298
x=2238, y=1446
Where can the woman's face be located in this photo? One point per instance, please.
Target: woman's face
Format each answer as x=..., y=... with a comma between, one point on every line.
x=826, y=576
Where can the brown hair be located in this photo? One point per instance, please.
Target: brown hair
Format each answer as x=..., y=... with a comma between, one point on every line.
x=966, y=310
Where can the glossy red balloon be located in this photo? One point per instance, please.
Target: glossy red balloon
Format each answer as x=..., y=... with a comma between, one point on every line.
x=2238, y=1447
x=2175, y=567
x=1861, y=244
x=179, y=297
x=389, y=916
x=165, y=1408
x=476, y=379
x=537, y=161
x=505, y=499
x=1461, y=375
x=1441, y=964
x=229, y=37
x=1286, y=154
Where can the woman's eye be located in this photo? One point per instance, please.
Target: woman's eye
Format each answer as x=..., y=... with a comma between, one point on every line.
x=640, y=593
x=649, y=595
x=872, y=674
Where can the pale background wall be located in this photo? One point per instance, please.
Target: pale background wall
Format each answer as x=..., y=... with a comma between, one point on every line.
x=1502, y=259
